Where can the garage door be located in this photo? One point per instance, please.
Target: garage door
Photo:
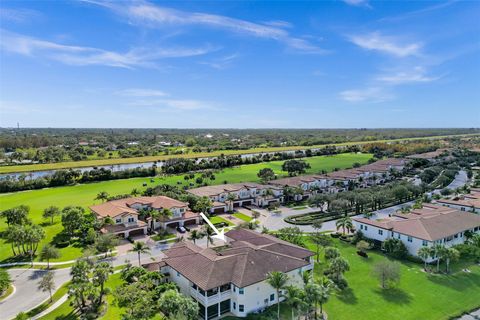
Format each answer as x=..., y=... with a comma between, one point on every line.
x=137, y=232
x=236, y=204
x=189, y=222
x=173, y=225
x=219, y=210
x=247, y=203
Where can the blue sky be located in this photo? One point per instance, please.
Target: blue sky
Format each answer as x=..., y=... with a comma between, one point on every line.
x=247, y=64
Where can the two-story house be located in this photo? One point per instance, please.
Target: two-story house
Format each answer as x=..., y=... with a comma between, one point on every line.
x=125, y=213
x=424, y=227
x=226, y=197
x=232, y=280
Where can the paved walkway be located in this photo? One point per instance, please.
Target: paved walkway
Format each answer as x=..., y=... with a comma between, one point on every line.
x=474, y=315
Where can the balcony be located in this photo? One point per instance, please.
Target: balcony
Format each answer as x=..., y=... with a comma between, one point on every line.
x=211, y=299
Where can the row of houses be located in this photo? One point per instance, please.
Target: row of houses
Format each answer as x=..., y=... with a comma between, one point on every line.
x=226, y=197
x=425, y=227
x=125, y=215
x=468, y=202
x=232, y=279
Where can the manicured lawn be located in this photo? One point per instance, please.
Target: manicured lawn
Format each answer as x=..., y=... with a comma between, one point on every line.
x=418, y=296
x=242, y=216
x=84, y=194
x=300, y=208
x=218, y=219
x=160, y=237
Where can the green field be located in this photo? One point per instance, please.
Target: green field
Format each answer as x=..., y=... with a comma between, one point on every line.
x=84, y=194
x=418, y=296
x=100, y=162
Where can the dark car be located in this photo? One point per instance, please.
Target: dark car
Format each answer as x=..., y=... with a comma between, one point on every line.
x=181, y=229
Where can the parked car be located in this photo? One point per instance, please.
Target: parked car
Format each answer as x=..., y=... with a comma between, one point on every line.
x=181, y=229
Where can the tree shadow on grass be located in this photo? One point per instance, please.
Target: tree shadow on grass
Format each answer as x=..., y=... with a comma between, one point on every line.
x=71, y=316
x=18, y=258
x=459, y=281
x=62, y=240
x=394, y=295
x=347, y=296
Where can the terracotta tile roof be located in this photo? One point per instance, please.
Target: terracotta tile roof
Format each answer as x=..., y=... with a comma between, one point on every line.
x=114, y=228
x=123, y=206
x=345, y=174
x=243, y=263
x=431, y=223
x=209, y=191
x=428, y=155
x=469, y=200
x=297, y=180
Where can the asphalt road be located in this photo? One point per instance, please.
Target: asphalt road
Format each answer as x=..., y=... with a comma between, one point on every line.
x=27, y=294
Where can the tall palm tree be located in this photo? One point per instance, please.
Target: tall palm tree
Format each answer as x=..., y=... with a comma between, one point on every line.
x=209, y=233
x=450, y=254
x=437, y=252
x=101, y=273
x=294, y=297
x=313, y=294
x=230, y=198
x=140, y=247
x=424, y=253
x=277, y=280
x=195, y=235
x=345, y=223
x=102, y=195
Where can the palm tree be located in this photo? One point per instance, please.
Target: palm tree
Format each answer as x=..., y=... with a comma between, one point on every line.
x=209, y=233
x=277, y=280
x=195, y=235
x=140, y=247
x=166, y=213
x=437, y=252
x=230, y=198
x=47, y=283
x=313, y=293
x=294, y=298
x=100, y=276
x=103, y=195
x=450, y=254
x=424, y=253
x=345, y=223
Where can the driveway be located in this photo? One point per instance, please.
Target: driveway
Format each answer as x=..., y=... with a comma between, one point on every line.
x=27, y=294
x=460, y=180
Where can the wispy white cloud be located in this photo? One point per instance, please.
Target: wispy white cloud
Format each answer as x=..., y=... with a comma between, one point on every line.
x=385, y=44
x=222, y=62
x=415, y=75
x=83, y=56
x=137, y=92
x=151, y=15
x=368, y=94
x=278, y=23
x=416, y=13
x=18, y=15
x=358, y=3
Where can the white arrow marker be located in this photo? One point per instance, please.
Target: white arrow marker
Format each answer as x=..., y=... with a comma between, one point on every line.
x=219, y=234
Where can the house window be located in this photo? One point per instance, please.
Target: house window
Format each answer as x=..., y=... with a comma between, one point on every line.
x=234, y=306
x=380, y=232
x=240, y=291
x=272, y=297
x=398, y=236
x=178, y=274
x=409, y=239
x=424, y=243
x=361, y=227
x=462, y=208
x=131, y=219
x=366, y=228
x=241, y=307
x=118, y=220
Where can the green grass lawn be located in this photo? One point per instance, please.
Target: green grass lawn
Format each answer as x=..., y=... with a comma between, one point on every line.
x=418, y=296
x=84, y=194
x=217, y=219
x=6, y=293
x=242, y=216
x=57, y=295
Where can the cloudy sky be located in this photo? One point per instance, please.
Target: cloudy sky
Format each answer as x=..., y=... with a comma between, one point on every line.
x=259, y=64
